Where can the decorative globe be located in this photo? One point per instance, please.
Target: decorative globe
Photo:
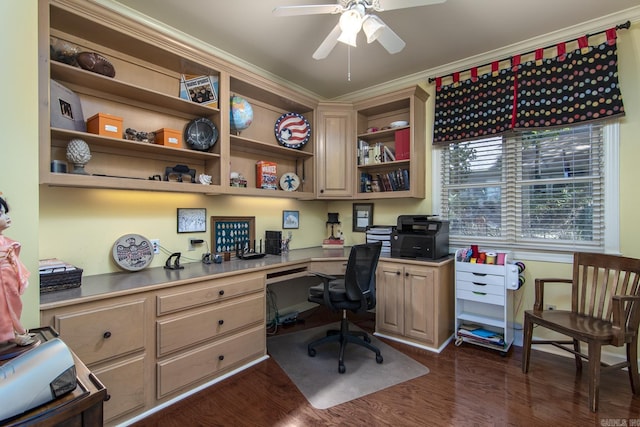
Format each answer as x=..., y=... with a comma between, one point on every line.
x=241, y=114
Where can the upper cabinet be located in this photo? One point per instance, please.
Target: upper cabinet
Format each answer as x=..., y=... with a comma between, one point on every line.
x=334, y=152
x=144, y=94
x=390, y=145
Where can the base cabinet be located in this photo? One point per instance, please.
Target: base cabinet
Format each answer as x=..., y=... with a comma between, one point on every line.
x=414, y=300
x=151, y=346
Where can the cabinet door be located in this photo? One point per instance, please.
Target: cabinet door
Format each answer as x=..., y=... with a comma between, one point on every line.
x=125, y=383
x=334, y=151
x=390, y=298
x=419, y=296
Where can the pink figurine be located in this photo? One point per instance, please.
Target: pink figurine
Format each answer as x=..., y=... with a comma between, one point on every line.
x=13, y=283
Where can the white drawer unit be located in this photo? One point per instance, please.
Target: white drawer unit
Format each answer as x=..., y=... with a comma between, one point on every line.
x=484, y=302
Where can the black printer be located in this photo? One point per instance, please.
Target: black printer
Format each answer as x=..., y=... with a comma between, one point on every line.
x=420, y=236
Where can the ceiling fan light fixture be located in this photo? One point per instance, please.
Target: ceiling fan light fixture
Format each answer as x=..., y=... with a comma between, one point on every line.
x=348, y=38
x=373, y=27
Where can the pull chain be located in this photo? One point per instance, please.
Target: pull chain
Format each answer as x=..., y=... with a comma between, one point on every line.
x=348, y=63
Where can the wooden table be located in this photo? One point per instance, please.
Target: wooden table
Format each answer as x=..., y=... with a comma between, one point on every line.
x=81, y=407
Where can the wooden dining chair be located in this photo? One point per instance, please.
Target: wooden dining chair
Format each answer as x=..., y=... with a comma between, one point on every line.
x=605, y=310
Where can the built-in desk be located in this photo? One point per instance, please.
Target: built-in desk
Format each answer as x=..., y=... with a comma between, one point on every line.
x=158, y=335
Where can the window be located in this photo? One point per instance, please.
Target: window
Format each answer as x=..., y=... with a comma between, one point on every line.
x=543, y=190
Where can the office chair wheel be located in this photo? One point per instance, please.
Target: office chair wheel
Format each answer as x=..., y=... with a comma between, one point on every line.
x=312, y=352
x=341, y=368
x=379, y=358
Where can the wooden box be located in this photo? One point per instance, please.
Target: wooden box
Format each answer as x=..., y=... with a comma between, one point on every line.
x=105, y=125
x=266, y=175
x=168, y=137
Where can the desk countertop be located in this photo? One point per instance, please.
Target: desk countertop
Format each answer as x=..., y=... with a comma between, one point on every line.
x=122, y=283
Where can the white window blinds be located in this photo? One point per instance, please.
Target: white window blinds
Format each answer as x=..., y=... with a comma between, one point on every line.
x=541, y=189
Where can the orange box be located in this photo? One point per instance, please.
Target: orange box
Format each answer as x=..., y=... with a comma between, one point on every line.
x=105, y=125
x=267, y=175
x=168, y=137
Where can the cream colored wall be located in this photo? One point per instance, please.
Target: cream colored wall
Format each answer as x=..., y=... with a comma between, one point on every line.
x=80, y=226
x=18, y=121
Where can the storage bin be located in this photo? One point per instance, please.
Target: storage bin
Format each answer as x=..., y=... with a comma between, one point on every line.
x=105, y=125
x=168, y=137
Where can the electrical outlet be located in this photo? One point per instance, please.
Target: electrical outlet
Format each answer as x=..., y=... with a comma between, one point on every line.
x=190, y=246
x=156, y=245
x=549, y=307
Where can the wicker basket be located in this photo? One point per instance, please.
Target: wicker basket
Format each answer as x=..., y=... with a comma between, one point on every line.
x=51, y=282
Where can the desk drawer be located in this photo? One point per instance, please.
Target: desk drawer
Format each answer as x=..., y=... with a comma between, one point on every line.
x=202, y=325
x=487, y=279
x=125, y=386
x=479, y=296
x=100, y=334
x=479, y=287
x=210, y=291
x=207, y=361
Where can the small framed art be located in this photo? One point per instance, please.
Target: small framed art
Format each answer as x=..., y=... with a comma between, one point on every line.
x=192, y=220
x=362, y=216
x=290, y=219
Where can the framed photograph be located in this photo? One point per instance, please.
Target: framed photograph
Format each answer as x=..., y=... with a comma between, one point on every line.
x=362, y=216
x=192, y=220
x=231, y=232
x=290, y=219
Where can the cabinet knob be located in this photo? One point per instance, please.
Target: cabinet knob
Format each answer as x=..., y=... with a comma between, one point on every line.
x=220, y=322
x=321, y=190
x=406, y=274
x=106, y=335
x=221, y=357
x=221, y=292
x=397, y=273
x=107, y=397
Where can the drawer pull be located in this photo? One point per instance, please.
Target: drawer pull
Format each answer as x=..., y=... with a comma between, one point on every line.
x=479, y=293
x=397, y=273
x=479, y=274
x=106, y=335
x=220, y=322
x=221, y=292
x=107, y=397
x=406, y=274
x=221, y=357
x=479, y=284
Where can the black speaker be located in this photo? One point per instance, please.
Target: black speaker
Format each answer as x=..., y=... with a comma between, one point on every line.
x=273, y=242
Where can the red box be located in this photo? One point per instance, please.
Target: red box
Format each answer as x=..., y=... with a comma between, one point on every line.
x=403, y=144
x=267, y=175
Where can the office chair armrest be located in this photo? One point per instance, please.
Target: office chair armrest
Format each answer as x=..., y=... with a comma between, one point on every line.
x=323, y=275
x=626, y=317
x=538, y=305
x=326, y=279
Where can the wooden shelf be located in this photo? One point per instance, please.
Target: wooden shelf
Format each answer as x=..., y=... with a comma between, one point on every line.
x=110, y=88
x=108, y=144
x=248, y=145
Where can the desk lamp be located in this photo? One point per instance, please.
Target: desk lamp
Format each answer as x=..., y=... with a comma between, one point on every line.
x=333, y=241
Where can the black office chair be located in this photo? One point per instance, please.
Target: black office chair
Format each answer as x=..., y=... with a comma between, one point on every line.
x=356, y=292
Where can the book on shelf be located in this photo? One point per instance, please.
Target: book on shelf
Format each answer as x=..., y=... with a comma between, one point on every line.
x=200, y=89
x=396, y=180
x=377, y=153
x=403, y=149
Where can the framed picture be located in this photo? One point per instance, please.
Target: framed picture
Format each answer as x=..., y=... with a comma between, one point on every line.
x=192, y=220
x=362, y=216
x=290, y=219
x=231, y=232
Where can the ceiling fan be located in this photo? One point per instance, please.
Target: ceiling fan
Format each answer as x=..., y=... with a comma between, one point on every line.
x=355, y=16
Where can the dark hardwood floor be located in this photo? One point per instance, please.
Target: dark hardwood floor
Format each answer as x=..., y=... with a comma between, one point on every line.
x=467, y=385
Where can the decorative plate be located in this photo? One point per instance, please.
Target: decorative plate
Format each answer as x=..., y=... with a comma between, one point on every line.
x=201, y=134
x=289, y=181
x=292, y=130
x=133, y=252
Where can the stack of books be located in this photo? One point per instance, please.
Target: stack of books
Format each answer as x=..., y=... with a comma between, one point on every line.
x=481, y=335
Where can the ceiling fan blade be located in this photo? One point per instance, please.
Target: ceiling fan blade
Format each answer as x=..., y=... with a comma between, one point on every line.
x=402, y=4
x=311, y=9
x=390, y=40
x=328, y=44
